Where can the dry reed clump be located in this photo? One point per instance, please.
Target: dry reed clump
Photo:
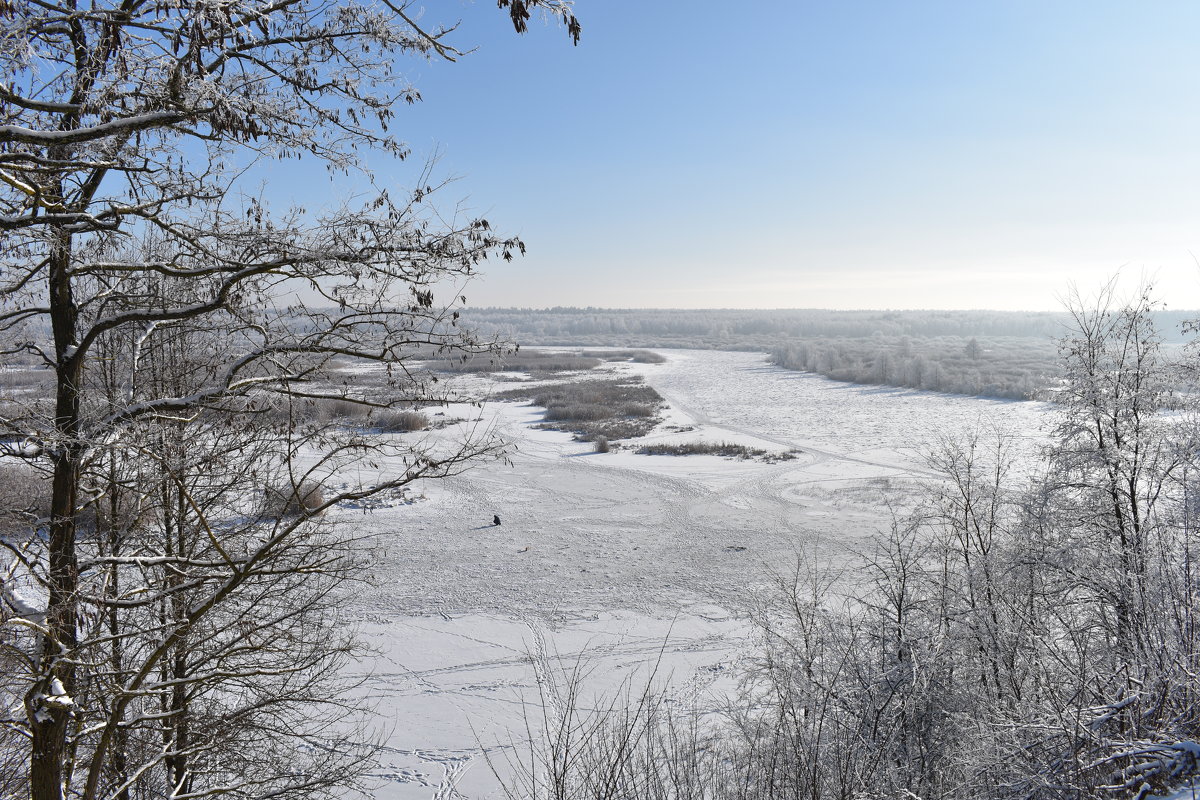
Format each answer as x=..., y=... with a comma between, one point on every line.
x=303, y=499
x=348, y=412
x=723, y=449
x=396, y=421
x=602, y=445
x=339, y=409
x=310, y=411
x=621, y=396
x=615, y=408
x=529, y=361
x=613, y=429
x=579, y=412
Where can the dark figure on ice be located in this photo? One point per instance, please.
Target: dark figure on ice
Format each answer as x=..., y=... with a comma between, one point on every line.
x=495, y=519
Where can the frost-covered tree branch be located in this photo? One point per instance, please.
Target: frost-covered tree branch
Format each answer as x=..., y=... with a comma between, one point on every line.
x=176, y=476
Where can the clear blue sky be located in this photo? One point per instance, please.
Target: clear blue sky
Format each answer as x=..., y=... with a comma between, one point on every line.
x=841, y=154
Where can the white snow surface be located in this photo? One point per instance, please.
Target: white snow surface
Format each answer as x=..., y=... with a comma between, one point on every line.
x=624, y=561
x=1191, y=792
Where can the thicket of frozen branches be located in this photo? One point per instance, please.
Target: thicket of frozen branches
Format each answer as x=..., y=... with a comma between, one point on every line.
x=1021, y=636
x=184, y=637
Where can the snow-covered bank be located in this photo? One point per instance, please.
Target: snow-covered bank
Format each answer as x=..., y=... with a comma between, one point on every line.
x=456, y=694
x=605, y=552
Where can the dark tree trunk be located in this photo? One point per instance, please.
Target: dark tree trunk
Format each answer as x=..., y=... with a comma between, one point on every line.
x=49, y=722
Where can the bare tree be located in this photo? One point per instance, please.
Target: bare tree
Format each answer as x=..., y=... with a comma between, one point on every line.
x=1116, y=460
x=124, y=128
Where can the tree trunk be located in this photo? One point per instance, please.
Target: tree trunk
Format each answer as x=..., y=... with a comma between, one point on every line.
x=49, y=722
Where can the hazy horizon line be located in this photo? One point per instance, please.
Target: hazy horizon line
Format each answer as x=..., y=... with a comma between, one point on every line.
x=794, y=308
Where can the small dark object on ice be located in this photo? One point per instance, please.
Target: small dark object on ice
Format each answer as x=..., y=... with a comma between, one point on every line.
x=495, y=519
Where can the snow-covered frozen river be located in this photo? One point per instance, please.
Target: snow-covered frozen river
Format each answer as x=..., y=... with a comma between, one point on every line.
x=741, y=391
x=611, y=555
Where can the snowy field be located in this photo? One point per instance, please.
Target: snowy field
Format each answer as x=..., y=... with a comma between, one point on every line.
x=621, y=561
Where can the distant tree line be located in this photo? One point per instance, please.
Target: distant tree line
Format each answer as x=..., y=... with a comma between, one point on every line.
x=767, y=328
x=1007, y=367
x=1007, y=354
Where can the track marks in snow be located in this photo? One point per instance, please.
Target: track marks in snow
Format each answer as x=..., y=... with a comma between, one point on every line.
x=451, y=764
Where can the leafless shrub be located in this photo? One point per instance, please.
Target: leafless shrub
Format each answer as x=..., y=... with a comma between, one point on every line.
x=24, y=497
x=602, y=445
x=22, y=410
x=631, y=743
